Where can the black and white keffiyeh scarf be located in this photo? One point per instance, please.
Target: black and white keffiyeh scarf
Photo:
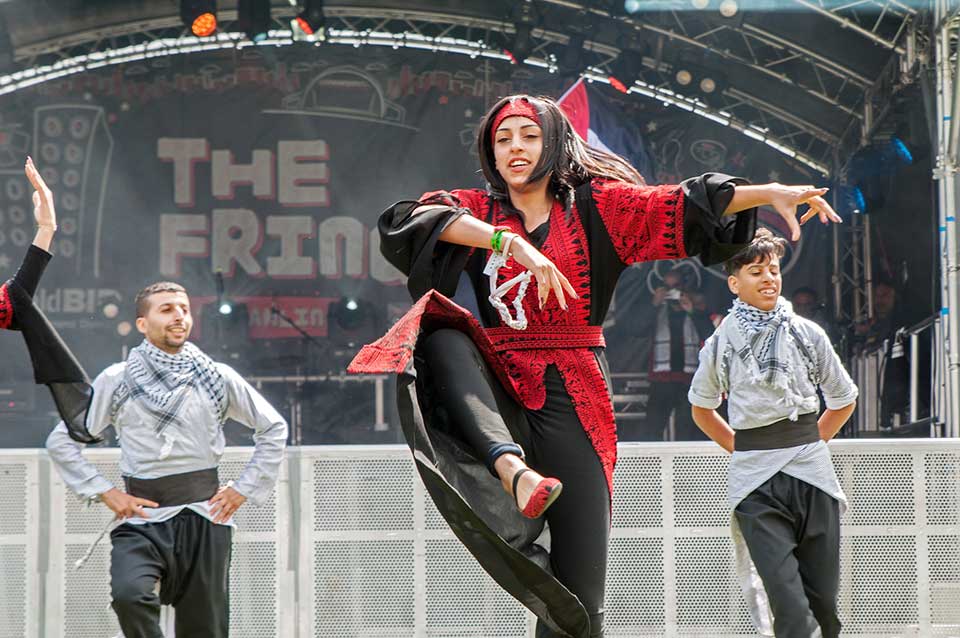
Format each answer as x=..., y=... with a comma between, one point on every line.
x=161, y=382
x=769, y=346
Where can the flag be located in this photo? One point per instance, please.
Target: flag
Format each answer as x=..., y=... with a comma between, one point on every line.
x=604, y=127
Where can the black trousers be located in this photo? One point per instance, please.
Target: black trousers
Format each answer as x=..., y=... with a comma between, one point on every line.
x=184, y=562
x=554, y=443
x=793, y=532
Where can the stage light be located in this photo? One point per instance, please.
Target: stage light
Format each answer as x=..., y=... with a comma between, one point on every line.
x=901, y=151
x=253, y=18
x=850, y=201
x=700, y=4
x=352, y=305
x=882, y=157
x=684, y=77
x=312, y=20
x=708, y=85
x=200, y=16
x=632, y=6
x=225, y=308
x=729, y=8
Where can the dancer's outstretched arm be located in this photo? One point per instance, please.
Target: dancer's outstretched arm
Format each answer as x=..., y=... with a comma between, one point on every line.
x=785, y=200
x=44, y=212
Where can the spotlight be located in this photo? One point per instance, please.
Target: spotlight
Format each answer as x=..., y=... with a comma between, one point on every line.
x=253, y=18
x=900, y=150
x=225, y=308
x=700, y=4
x=850, y=201
x=310, y=21
x=200, y=16
x=632, y=6
x=729, y=8
x=352, y=321
x=706, y=82
x=882, y=157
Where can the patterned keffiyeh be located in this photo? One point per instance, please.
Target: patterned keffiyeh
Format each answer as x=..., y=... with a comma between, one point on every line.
x=771, y=349
x=161, y=382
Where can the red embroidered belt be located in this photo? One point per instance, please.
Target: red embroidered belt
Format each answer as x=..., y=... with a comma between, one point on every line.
x=546, y=337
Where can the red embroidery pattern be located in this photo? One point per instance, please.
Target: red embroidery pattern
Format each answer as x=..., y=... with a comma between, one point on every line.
x=644, y=222
x=566, y=246
x=6, y=308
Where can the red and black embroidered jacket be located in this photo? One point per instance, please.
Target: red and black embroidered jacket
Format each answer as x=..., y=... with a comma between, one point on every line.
x=609, y=226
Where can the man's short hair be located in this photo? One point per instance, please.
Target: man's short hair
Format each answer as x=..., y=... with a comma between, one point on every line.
x=764, y=245
x=143, y=297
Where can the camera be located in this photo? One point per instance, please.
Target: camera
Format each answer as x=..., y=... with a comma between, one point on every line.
x=673, y=295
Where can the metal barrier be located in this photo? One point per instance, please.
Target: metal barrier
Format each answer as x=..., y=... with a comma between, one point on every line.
x=869, y=369
x=351, y=546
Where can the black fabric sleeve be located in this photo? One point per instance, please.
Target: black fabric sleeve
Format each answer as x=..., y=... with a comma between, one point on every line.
x=34, y=263
x=412, y=244
x=707, y=233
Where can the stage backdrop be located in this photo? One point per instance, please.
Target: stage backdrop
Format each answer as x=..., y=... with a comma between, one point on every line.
x=266, y=169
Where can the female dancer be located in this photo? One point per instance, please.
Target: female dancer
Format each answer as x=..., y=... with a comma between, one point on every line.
x=503, y=414
x=53, y=363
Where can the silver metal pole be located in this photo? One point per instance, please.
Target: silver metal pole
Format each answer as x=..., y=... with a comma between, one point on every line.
x=945, y=173
x=914, y=375
x=868, y=266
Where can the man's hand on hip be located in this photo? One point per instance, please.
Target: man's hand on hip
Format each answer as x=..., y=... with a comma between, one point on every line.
x=124, y=505
x=225, y=503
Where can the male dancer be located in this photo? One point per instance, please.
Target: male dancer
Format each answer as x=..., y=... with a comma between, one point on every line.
x=168, y=402
x=784, y=492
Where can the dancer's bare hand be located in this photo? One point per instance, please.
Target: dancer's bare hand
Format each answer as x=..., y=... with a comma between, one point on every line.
x=124, y=505
x=549, y=278
x=43, y=209
x=785, y=200
x=225, y=503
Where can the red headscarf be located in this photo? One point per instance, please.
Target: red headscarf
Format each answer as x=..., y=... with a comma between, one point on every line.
x=519, y=106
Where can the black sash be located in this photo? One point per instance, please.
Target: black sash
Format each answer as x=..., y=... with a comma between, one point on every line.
x=175, y=489
x=784, y=433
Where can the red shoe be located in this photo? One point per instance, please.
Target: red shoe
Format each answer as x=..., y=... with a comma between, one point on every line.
x=543, y=495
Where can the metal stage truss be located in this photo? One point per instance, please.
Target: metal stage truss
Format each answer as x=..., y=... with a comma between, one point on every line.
x=350, y=546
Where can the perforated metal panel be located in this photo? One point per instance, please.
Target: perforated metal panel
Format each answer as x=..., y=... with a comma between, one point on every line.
x=635, y=565
x=364, y=588
x=942, y=488
x=373, y=494
x=462, y=600
x=86, y=594
x=879, y=488
x=13, y=498
x=879, y=583
x=13, y=591
x=699, y=491
x=373, y=558
x=641, y=478
x=19, y=544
